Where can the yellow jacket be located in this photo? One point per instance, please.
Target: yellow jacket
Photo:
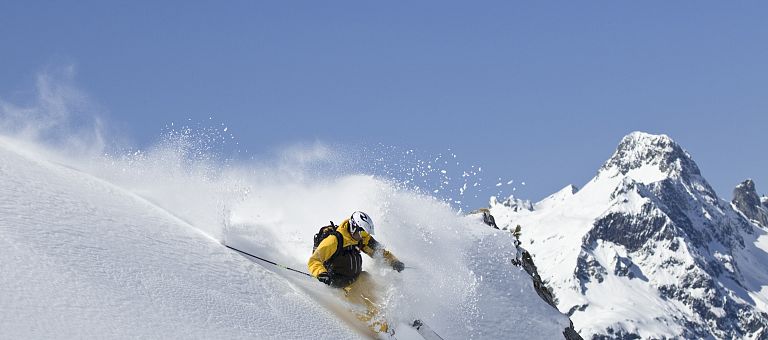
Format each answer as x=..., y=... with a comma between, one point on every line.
x=328, y=246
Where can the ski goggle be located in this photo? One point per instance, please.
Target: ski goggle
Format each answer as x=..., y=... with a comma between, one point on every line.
x=360, y=231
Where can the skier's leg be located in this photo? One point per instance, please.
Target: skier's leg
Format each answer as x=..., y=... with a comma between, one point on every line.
x=363, y=292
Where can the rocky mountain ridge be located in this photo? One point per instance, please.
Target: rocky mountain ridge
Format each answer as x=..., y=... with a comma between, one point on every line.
x=746, y=200
x=648, y=250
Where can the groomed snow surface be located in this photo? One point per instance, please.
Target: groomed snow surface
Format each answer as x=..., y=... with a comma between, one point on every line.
x=130, y=248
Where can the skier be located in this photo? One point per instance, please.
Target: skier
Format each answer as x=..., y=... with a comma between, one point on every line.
x=340, y=265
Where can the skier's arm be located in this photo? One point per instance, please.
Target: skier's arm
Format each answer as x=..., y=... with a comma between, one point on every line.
x=324, y=251
x=371, y=247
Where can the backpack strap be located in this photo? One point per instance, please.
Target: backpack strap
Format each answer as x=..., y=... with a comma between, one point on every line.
x=339, y=242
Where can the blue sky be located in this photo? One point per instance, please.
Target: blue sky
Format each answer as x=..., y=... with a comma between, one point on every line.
x=539, y=92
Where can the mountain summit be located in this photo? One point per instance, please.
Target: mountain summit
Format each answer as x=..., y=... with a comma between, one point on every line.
x=647, y=249
x=640, y=150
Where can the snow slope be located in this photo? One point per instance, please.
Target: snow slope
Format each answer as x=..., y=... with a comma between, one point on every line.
x=129, y=248
x=81, y=258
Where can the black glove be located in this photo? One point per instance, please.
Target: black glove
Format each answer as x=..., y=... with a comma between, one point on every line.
x=324, y=278
x=397, y=265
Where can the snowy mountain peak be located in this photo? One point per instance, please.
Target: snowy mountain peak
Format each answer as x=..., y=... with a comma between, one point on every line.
x=513, y=203
x=646, y=249
x=747, y=193
x=746, y=200
x=643, y=151
x=555, y=199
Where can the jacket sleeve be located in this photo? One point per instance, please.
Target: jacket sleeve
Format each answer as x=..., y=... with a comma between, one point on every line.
x=373, y=247
x=324, y=251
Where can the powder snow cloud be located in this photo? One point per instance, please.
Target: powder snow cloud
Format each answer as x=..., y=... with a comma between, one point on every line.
x=57, y=113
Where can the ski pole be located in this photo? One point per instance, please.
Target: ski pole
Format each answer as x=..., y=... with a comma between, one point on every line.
x=267, y=261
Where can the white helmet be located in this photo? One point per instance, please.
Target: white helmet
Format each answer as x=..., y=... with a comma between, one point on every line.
x=360, y=221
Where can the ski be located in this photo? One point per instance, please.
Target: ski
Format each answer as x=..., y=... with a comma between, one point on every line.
x=425, y=331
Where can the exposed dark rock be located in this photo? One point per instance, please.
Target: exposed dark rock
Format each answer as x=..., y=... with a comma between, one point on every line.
x=571, y=334
x=746, y=200
x=631, y=231
x=488, y=219
x=587, y=269
x=545, y=292
x=625, y=267
x=579, y=308
x=616, y=335
x=530, y=268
